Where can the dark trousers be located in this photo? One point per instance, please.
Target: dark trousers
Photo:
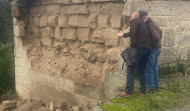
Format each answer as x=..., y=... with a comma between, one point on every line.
x=142, y=58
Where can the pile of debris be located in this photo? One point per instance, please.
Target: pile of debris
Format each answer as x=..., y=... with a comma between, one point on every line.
x=33, y=105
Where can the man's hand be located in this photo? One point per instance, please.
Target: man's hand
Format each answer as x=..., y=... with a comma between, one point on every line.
x=120, y=33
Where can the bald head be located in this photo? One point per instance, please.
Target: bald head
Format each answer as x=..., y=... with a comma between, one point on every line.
x=134, y=15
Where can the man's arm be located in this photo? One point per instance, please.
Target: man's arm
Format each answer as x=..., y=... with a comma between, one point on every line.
x=133, y=31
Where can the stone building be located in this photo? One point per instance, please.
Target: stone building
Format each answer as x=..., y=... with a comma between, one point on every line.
x=68, y=51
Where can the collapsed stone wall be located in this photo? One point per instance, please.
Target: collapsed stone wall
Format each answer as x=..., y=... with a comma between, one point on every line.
x=63, y=50
x=67, y=50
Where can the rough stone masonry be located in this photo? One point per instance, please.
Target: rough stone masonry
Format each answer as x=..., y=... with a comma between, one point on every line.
x=67, y=50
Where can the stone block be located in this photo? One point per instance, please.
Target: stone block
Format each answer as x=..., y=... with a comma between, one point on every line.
x=82, y=21
x=36, y=21
x=103, y=21
x=21, y=72
x=53, y=9
x=53, y=92
x=162, y=21
x=47, y=41
x=61, y=1
x=116, y=21
x=113, y=82
x=169, y=37
x=168, y=55
x=58, y=32
x=19, y=31
x=160, y=8
x=20, y=52
x=47, y=32
x=18, y=42
x=98, y=36
x=62, y=21
x=46, y=2
x=22, y=62
x=83, y=34
x=69, y=33
x=75, y=9
x=52, y=21
x=43, y=21
x=15, y=12
x=77, y=1
x=87, y=90
x=104, y=0
x=73, y=21
x=35, y=10
x=9, y=105
x=93, y=20
x=64, y=84
x=22, y=92
x=110, y=37
x=112, y=9
x=94, y=8
x=48, y=53
x=113, y=54
x=183, y=39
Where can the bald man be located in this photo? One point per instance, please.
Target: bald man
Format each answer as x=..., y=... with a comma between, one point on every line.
x=139, y=39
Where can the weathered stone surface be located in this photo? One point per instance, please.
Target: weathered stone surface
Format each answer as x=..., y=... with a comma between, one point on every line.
x=87, y=90
x=183, y=39
x=113, y=82
x=103, y=21
x=111, y=40
x=113, y=54
x=61, y=1
x=73, y=21
x=8, y=105
x=162, y=21
x=36, y=21
x=169, y=37
x=22, y=92
x=18, y=42
x=47, y=41
x=36, y=10
x=83, y=34
x=83, y=21
x=93, y=20
x=69, y=33
x=46, y=2
x=116, y=21
x=19, y=31
x=15, y=12
x=22, y=62
x=48, y=53
x=75, y=9
x=62, y=21
x=170, y=54
x=52, y=21
x=43, y=21
x=77, y=1
x=58, y=32
x=20, y=52
x=47, y=32
x=53, y=9
x=159, y=8
x=112, y=9
x=94, y=8
x=98, y=36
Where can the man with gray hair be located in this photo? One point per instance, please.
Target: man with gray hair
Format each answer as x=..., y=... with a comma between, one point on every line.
x=152, y=78
x=139, y=39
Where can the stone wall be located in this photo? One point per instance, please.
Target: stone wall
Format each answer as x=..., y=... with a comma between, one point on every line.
x=67, y=50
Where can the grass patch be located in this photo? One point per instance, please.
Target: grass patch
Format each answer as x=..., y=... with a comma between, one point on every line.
x=173, y=94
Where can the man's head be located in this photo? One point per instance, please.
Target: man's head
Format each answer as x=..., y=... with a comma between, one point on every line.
x=134, y=15
x=143, y=14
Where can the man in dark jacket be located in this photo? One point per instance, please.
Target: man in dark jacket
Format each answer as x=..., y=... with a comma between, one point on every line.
x=139, y=37
x=152, y=79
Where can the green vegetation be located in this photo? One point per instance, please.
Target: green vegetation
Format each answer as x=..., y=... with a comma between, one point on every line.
x=6, y=24
x=7, y=81
x=176, y=93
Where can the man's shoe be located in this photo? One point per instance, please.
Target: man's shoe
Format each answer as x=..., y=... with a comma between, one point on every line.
x=157, y=89
x=151, y=91
x=140, y=93
x=125, y=95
